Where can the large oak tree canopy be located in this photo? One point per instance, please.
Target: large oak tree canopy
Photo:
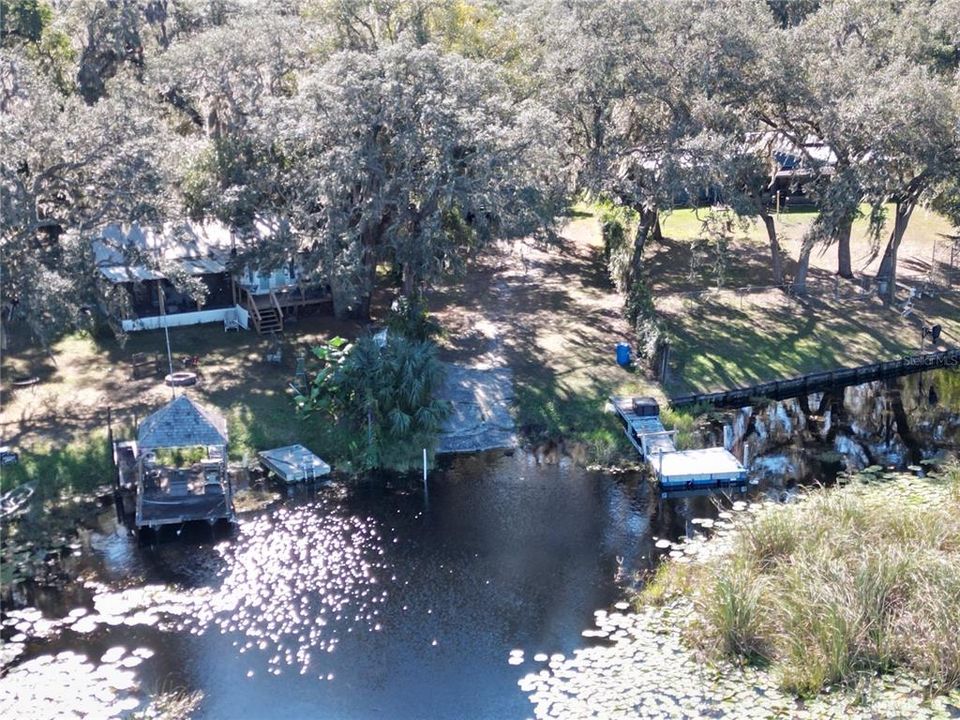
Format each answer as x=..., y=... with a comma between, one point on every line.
x=67, y=168
x=406, y=156
x=403, y=135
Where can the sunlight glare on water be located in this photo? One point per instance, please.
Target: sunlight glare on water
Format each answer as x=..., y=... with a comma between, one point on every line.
x=297, y=579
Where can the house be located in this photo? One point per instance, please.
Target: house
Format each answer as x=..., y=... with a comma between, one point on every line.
x=145, y=263
x=142, y=260
x=795, y=163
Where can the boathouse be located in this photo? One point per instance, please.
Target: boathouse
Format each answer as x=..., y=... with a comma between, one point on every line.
x=177, y=466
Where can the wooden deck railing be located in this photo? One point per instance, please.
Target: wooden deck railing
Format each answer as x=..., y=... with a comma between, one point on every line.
x=819, y=381
x=253, y=310
x=276, y=303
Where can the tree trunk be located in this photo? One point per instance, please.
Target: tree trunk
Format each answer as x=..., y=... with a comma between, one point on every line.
x=648, y=219
x=409, y=282
x=350, y=304
x=657, y=234
x=844, y=265
x=888, y=265
x=775, y=259
x=803, y=265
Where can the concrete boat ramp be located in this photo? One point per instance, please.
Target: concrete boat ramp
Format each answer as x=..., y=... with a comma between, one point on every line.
x=480, y=399
x=675, y=470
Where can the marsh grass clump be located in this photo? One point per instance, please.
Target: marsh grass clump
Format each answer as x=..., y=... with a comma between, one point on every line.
x=951, y=476
x=175, y=704
x=848, y=583
x=669, y=581
x=732, y=608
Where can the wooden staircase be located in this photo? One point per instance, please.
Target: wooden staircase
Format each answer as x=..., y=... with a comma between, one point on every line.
x=270, y=321
x=267, y=320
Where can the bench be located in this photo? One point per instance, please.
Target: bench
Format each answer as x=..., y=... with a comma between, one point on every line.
x=144, y=364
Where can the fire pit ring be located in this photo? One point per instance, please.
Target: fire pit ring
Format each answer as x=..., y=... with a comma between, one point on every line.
x=181, y=378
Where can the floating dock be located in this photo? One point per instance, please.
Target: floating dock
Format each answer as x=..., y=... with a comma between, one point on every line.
x=675, y=469
x=294, y=463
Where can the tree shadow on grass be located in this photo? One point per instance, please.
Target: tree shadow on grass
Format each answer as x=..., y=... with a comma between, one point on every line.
x=718, y=346
x=667, y=265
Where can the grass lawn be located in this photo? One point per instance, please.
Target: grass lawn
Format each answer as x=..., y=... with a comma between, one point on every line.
x=725, y=339
x=83, y=377
x=924, y=245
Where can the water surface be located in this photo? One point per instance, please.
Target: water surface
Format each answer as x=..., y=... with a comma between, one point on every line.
x=380, y=600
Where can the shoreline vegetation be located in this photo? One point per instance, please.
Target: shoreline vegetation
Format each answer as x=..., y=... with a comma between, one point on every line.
x=563, y=371
x=837, y=590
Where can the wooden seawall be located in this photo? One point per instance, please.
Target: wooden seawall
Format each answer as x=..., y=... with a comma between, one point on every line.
x=817, y=382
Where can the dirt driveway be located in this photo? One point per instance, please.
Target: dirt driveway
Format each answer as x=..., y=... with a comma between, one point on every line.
x=553, y=316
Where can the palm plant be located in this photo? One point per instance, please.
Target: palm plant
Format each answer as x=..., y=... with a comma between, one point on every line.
x=386, y=395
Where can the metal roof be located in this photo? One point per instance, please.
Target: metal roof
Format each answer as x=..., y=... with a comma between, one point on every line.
x=182, y=423
x=123, y=273
x=126, y=253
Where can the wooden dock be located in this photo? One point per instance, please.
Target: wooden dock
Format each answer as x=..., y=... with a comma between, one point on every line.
x=169, y=496
x=821, y=381
x=674, y=469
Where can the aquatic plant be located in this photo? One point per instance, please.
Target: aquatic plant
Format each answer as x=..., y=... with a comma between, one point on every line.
x=849, y=582
x=176, y=704
x=732, y=609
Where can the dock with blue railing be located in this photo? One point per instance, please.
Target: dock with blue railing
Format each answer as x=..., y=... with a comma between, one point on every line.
x=699, y=469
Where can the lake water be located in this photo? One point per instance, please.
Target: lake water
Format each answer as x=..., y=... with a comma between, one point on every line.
x=379, y=600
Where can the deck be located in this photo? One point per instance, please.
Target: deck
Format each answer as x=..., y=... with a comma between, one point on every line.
x=289, y=298
x=170, y=496
x=268, y=308
x=677, y=469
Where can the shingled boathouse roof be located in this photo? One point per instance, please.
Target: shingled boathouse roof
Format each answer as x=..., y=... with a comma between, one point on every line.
x=182, y=423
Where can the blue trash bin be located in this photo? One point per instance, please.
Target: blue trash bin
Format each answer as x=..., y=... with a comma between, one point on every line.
x=623, y=354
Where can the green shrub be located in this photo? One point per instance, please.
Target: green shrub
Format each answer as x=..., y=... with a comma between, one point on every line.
x=383, y=398
x=179, y=457
x=617, y=226
x=410, y=319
